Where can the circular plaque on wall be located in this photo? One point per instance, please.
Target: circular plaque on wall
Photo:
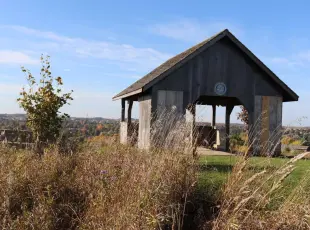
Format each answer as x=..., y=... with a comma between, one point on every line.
x=220, y=88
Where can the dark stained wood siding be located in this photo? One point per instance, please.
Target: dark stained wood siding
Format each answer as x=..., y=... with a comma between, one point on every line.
x=167, y=99
x=222, y=62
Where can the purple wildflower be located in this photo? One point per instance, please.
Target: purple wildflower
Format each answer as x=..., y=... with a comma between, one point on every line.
x=103, y=172
x=113, y=178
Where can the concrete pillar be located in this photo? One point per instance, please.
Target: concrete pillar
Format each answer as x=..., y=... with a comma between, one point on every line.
x=125, y=126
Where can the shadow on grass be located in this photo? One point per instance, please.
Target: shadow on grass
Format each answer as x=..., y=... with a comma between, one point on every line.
x=204, y=205
x=261, y=168
x=205, y=201
x=216, y=168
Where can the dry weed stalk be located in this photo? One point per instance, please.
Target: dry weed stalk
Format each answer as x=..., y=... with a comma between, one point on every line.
x=105, y=186
x=248, y=196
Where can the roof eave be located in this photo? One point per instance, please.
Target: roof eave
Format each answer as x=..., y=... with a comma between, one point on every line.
x=117, y=97
x=291, y=98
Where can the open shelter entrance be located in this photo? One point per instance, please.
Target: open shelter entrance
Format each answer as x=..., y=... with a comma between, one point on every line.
x=209, y=135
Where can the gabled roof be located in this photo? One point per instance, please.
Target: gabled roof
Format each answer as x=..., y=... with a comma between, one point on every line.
x=177, y=61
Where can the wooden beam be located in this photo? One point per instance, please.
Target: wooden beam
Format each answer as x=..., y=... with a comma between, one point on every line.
x=130, y=102
x=123, y=110
x=229, y=109
x=213, y=116
x=265, y=129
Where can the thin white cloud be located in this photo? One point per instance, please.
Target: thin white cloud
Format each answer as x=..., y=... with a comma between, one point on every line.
x=7, y=77
x=95, y=49
x=284, y=61
x=191, y=30
x=298, y=59
x=8, y=88
x=118, y=52
x=38, y=33
x=280, y=60
x=16, y=57
x=125, y=74
x=78, y=94
x=304, y=55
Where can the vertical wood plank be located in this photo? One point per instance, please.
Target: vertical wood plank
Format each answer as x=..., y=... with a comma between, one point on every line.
x=229, y=109
x=190, y=85
x=161, y=101
x=199, y=74
x=213, y=116
x=179, y=102
x=123, y=110
x=145, y=108
x=275, y=123
x=279, y=111
x=130, y=103
x=265, y=120
x=167, y=99
x=190, y=117
x=255, y=125
x=273, y=107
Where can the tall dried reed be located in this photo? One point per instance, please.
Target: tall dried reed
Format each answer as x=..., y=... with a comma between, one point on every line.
x=103, y=186
x=249, y=198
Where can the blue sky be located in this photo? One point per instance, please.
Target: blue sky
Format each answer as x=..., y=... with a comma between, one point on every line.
x=100, y=47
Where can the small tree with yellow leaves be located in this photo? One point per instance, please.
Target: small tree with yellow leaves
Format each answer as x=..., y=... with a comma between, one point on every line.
x=42, y=102
x=243, y=115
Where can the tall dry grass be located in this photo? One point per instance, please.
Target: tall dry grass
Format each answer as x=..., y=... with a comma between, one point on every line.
x=253, y=196
x=109, y=186
x=250, y=199
x=104, y=186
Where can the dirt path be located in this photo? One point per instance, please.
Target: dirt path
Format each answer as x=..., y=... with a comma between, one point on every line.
x=208, y=152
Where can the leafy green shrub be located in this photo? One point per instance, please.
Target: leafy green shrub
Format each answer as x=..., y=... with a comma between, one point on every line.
x=42, y=103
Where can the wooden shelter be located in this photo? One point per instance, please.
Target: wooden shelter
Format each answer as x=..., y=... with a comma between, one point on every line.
x=217, y=71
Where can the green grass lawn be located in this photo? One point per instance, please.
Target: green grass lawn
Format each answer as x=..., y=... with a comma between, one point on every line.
x=214, y=171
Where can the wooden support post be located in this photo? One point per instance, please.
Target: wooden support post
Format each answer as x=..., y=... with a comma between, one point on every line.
x=129, y=126
x=229, y=109
x=191, y=120
x=213, y=116
x=130, y=103
x=191, y=114
x=123, y=110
